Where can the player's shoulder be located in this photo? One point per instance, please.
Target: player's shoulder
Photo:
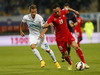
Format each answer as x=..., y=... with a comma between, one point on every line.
x=26, y=16
x=63, y=10
x=38, y=16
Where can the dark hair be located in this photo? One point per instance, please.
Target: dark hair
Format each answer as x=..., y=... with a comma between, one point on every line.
x=66, y=4
x=55, y=6
x=33, y=6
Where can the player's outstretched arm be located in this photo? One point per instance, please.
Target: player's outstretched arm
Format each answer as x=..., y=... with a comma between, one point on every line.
x=43, y=32
x=76, y=12
x=21, y=29
x=45, y=28
x=46, y=25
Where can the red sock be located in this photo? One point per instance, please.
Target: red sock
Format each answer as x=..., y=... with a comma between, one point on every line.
x=80, y=54
x=68, y=60
x=78, y=42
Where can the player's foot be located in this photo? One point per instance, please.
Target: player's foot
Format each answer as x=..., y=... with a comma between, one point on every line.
x=57, y=65
x=42, y=63
x=70, y=67
x=63, y=60
x=87, y=66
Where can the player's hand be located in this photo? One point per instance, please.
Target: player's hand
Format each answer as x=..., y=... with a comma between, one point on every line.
x=22, y=34
x=71, y=25
x=40, y=36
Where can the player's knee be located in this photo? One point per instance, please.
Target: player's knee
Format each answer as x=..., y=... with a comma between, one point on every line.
x=76, y=47
x=33, y=46
x=48, y=51
x=65, y=54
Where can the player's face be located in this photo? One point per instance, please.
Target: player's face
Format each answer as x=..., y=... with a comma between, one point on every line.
x=57, y=11
x=33, y=12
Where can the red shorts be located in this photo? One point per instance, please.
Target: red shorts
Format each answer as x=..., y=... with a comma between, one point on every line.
x=62, y=44
x=69, y=38
x=78, y=33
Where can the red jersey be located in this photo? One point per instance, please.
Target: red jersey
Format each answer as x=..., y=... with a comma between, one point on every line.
x=60, y=25
x=78, y=26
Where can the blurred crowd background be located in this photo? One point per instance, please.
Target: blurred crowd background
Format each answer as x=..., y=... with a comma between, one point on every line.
x=20, y=8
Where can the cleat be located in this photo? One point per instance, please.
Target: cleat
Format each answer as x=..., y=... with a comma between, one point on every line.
x=42, y=64
x=86, y=66
x=69, y=67
x=63, y=60
x=57, y=65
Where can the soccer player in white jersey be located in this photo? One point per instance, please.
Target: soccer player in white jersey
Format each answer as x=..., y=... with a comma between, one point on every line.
x=35, y=23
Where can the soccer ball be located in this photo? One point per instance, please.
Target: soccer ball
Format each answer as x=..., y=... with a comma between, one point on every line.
x=80, y=66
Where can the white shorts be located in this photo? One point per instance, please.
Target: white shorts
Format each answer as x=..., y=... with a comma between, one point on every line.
x=39, y=42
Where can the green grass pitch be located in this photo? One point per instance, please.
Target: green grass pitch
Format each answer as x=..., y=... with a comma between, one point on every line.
x=19, y=60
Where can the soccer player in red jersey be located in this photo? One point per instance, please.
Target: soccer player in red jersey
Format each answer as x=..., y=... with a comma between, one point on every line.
x=77, y=30
x=63, y=36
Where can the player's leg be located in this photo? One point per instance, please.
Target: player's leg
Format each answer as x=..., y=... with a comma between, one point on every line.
x=63, y=60
x=68, y=50
x=63, y=47
x=45, y=47
x=79, y=40
x=79, y=52
x=37, y=54
x=33, y=42
x=89, y=36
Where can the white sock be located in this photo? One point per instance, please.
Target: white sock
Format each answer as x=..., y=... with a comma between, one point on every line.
x=52, y=56
x=37, y=54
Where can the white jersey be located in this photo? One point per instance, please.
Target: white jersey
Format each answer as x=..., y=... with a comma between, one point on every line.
x=34, y=25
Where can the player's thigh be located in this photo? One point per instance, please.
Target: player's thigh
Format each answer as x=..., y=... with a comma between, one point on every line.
x=62, y=45
x=33, y=40
x=70, y=38
x=44, y=44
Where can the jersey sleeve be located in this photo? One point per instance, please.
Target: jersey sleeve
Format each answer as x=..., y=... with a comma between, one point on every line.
x=42, y=21
x=50, y=19
x=24, y=19
x=65, y=10
x=81, y=21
